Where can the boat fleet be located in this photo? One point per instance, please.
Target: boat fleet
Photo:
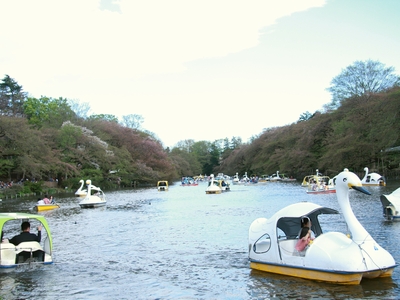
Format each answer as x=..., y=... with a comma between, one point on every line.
x=329, y=256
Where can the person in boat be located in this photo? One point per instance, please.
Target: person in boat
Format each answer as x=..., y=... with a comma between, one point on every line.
x=305, y=235
x=52, y=200
x=46, y=200
x=26, y=236
x=40, y=202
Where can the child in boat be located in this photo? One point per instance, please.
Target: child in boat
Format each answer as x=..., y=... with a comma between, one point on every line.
x=46, y=199
x=305, y=235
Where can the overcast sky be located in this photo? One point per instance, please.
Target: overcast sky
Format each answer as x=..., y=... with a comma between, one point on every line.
x=201, y=70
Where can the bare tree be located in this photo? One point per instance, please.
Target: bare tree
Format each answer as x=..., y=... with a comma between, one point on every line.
x=361, y=79
x=133, y=121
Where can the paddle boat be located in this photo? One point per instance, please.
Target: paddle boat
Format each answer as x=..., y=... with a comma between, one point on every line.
x=81, y=192
x=332, y=256
x=391, y=205
x=322, y=185
x=373, y=179
x=162, y=186
x=46, y=207
x=244, y=180
x=214, y=186
x=189, y=181
x=94, y=198
x=236, y=179
x=263, y=179
x=24, y=253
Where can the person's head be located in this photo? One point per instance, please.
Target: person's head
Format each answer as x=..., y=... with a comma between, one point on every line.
x=25, y=226
x=305, y=222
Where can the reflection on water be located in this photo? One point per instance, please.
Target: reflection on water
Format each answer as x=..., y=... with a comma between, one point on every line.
x=184, y=244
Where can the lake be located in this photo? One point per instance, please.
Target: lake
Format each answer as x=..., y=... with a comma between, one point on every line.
x=184, y=244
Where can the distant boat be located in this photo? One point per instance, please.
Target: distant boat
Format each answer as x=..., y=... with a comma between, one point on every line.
x=162, y=186
x=214, y=186
x=94, y=197
x=373, y=179
x=45, y=207
x=391, y=205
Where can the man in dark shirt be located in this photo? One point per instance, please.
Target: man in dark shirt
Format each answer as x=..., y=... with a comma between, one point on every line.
x=26, y=236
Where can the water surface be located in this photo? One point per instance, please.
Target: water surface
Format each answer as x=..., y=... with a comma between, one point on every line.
x=184, y=244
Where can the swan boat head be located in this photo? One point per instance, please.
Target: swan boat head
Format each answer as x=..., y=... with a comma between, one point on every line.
x=81, y=192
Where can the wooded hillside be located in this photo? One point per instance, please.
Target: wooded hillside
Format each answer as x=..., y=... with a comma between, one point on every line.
x=360, y=133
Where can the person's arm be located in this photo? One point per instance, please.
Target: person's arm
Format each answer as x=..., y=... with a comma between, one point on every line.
x=39, y=234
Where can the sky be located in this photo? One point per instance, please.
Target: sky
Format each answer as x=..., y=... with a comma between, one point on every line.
x=199, y=70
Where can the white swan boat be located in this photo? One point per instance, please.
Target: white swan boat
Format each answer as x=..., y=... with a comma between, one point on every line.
x=94, y=197
x=373, y=179
x=24, y=253
x=333, y=256
x=81, y=192
x=391, y=205
x=213, y=186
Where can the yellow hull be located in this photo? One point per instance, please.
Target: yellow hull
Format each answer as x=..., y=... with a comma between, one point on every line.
x=45, y=207
x=213, y=192
x=340, y=278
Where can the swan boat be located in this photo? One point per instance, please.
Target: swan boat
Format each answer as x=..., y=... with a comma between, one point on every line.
x=81, y=192
x=94, y=197
x=373, y=179
x=162, y=186
x=332, y=256
x=214, y=186
x=391, y=205
x=24, y=253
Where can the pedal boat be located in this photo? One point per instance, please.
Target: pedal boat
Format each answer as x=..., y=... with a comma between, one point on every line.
x=94, y=198
x=24, y=253
x=213, y=186
x=391, y=205
x=333, y=256
x=45, y=207
x=373, y=179
x=162, y=186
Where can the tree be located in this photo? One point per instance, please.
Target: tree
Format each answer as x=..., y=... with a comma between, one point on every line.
x=132, y=121
x=361, y=79
x=48, y=111
x=81, y=109
x=11, y=97
x=305, y=116
x=104, y=117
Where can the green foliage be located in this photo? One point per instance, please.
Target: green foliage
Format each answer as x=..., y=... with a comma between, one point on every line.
x=104, y=117
x=47, y=111
x=32, y=187
x=11, y=97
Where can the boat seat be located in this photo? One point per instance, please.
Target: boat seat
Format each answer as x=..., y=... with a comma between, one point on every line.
x=29, y=250
x=287, y=246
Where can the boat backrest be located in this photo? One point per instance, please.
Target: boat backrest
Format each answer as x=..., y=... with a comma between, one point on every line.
x=27, y=250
